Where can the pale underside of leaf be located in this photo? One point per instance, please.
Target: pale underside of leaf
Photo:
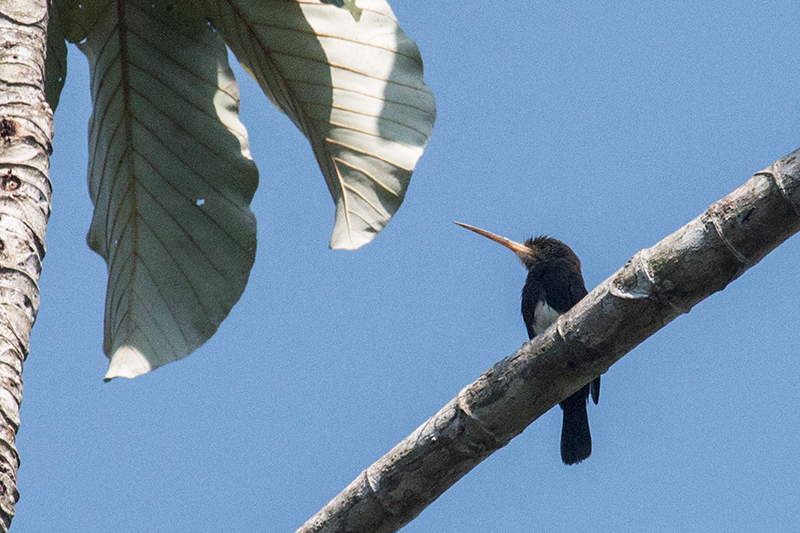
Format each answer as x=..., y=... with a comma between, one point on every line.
x=171, y=178
x=352, y=85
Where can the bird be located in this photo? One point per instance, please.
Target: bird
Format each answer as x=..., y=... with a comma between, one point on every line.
x=554, y=284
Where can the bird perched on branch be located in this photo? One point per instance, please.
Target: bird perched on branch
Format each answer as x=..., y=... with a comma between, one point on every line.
x=553, y=286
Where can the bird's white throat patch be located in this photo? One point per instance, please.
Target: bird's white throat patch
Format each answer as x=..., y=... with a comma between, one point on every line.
x=543, y=317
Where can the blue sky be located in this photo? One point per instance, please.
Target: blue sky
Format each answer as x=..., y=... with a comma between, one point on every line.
x=606, y=125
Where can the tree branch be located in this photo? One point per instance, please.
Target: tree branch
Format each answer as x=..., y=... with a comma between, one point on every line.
x=26, y=131
x=657, y=285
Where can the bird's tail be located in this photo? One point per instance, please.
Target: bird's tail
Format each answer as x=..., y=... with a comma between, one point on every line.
x=576, y=440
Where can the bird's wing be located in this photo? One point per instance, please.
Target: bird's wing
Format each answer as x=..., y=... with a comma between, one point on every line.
x=567, y=287
x=532, y=293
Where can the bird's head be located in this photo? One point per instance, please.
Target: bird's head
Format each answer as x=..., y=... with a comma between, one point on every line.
x=534, y=250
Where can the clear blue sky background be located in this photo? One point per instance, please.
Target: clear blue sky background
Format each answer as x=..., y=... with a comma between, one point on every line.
x=608, y=125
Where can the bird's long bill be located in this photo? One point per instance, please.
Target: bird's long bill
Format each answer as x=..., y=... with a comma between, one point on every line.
x=517, y=248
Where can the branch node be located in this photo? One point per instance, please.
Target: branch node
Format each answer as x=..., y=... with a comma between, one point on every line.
x=463, y=405
x=741, y=258
x=643, y=288
x=371, y=481
x=775, y=173
x=646, y=286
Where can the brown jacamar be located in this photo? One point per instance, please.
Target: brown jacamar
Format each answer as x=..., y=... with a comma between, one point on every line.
x=553, y=286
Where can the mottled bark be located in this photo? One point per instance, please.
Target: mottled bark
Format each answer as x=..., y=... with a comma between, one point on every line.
x=26, y=130
x=657, y=285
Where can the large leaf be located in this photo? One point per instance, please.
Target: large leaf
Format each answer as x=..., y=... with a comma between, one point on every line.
x=351, y=80
x=55, y=66
x=171, y=177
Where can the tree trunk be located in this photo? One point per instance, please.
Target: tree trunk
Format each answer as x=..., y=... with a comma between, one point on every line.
x=653, y=288
x=26, y=131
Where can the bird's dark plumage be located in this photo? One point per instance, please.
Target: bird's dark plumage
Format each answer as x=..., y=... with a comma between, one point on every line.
x=554, y=284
